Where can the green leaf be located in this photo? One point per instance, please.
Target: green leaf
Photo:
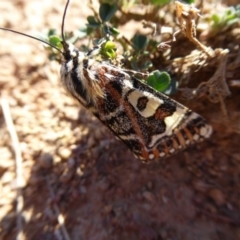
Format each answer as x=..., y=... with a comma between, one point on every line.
x=172, y=88
x=134, y=65
x=108, y=29
x=55, y=41
x=93, y=22
x=146, y=65
x=160, y=2
x=110, y=45
x=146, y=53
x=114, y=31
x=109, y=49
x=159, y=80
x=106, y=11
x=52, y=32
x=188, y=1
x=42, y=36
x=215, y=18
x=79, y=33
x=139, y=42
x=227, y=18
x=231, y=22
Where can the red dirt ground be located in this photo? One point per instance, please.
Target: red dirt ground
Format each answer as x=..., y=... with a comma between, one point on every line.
x=72, y=166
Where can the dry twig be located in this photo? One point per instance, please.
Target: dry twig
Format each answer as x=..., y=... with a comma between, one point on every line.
x=18, y=159
x=216, y=88
x=187, y=15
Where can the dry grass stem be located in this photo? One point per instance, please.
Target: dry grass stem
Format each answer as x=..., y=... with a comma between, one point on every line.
x=187, y=15
x=18, y=161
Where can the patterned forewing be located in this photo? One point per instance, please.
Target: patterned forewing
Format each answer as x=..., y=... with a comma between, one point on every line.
x=148, y=122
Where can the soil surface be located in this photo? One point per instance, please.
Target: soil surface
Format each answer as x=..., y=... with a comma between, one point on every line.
x=74, y=180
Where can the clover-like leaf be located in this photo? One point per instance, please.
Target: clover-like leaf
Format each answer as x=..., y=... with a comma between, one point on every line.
x=139, y=42
x=51, y=32
x=93, y=22
x=106, y=11
x=79, y=33
x=146, y=65
x=159, y=80
x=55, y=41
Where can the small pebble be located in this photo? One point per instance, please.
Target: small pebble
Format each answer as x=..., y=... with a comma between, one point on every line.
x=64, y=152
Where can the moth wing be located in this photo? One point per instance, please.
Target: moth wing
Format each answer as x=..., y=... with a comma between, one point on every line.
x=151, y=124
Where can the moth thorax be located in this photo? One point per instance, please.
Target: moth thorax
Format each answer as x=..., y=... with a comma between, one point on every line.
x=78, y=76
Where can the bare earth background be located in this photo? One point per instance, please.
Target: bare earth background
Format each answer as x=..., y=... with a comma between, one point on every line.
x=73, y=167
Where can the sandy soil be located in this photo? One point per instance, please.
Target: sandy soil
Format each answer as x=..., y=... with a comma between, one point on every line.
x=74, y=169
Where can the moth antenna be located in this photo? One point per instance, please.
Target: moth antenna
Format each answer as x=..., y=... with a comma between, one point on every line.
x=29, y=36
x=66, y=50
x=63, y=21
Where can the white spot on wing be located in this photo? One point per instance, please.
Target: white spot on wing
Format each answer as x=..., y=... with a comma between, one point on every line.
x=152, y=104
x=127, y=85
x=174, y=120
x=206, y=131
x=172, y=150
x=162, y=154
x=196, y=137
x=171, y=122
x=151, y=156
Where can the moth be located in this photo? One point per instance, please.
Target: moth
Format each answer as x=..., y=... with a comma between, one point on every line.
x=151, y=124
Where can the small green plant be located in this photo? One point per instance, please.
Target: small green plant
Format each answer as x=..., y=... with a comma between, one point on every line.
x=159, y=80
x=221, y=21
x=103, y=24
x=109, y=50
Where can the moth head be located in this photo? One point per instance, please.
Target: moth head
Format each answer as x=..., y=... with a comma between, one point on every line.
x=69, y=51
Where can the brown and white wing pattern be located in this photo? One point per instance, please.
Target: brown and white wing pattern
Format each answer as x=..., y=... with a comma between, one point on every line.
x=151, y=124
